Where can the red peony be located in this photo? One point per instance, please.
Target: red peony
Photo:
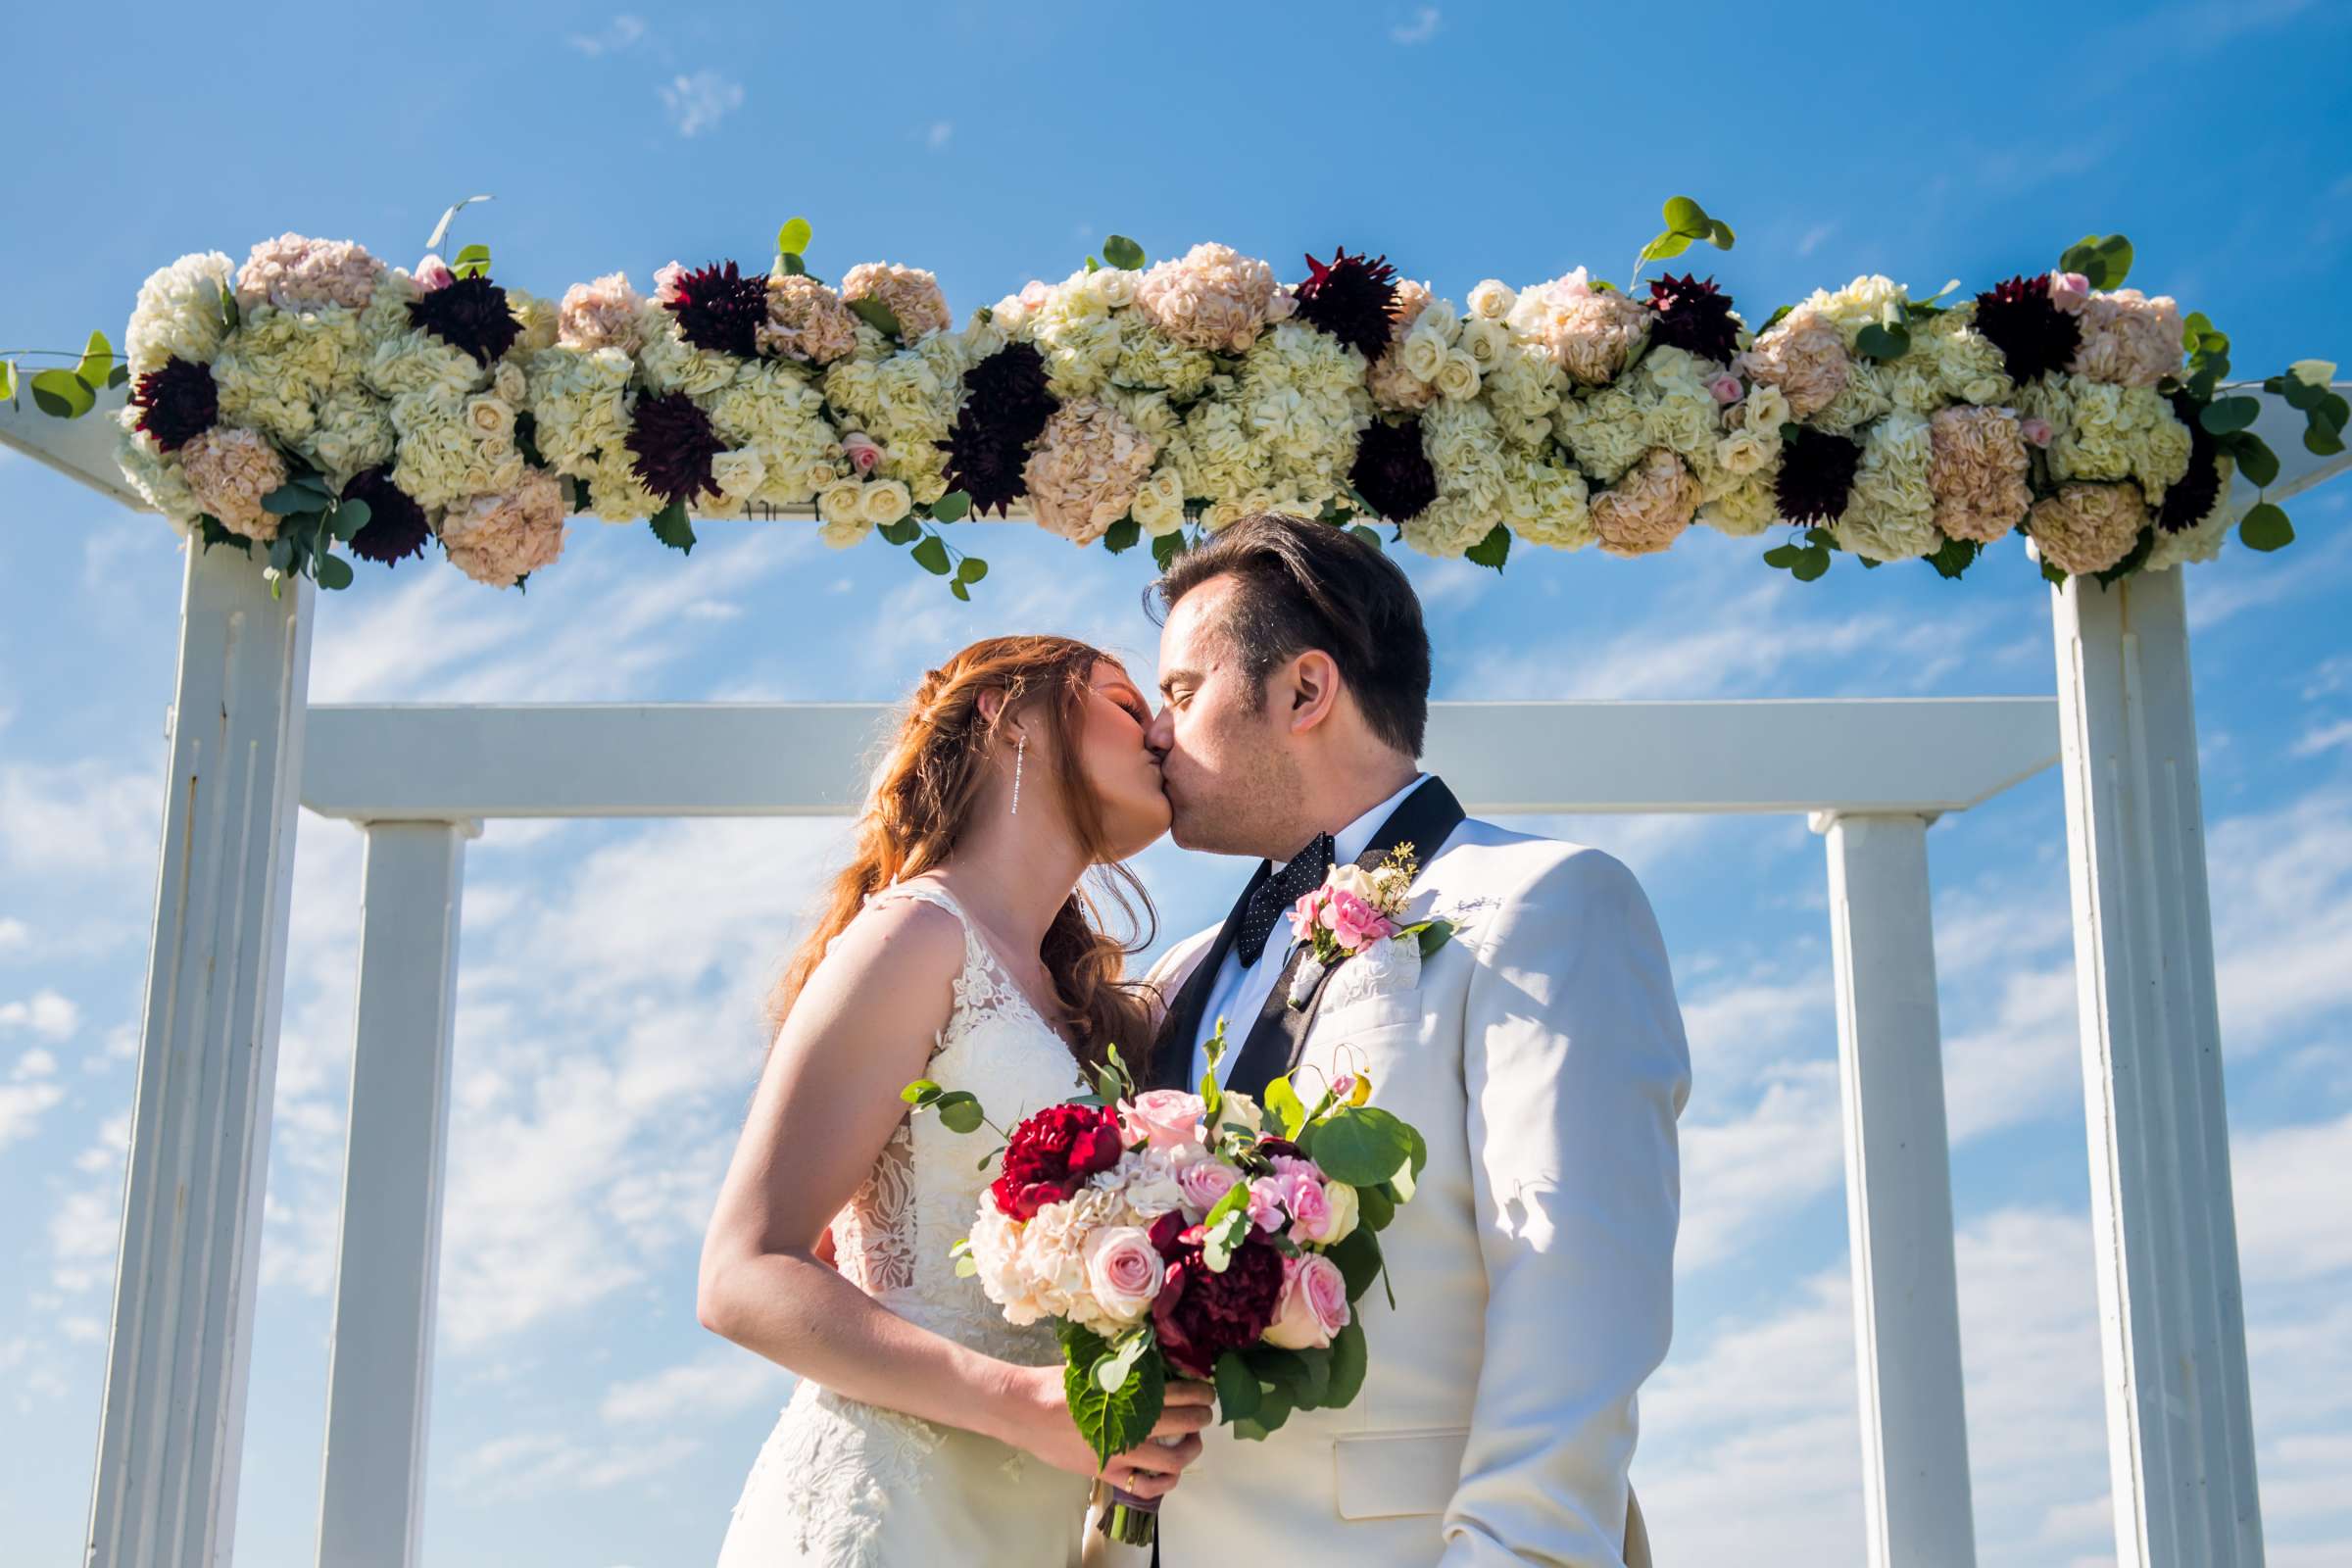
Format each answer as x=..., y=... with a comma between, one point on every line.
x=1052, y=1154
x=1200, y=1316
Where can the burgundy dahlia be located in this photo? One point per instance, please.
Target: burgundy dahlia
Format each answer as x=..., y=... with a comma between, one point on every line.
x=1200, y=1316
x=469, y=313
x=1686, y=314
x=1393, y=472
x=1270, y=1144
x=1006, y=407
x=1350, y=298
x=1817, y=472
x=178, y=403
x=395, y=527
x=2032, y=332
x=1052, y=1154
x=2191, y=498
x=674, y=444
x=719, y=309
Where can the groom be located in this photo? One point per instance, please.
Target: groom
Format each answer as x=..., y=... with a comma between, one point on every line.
x=1540, y=1053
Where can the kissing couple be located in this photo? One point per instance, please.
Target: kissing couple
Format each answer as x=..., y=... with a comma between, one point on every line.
x=1540, y=1053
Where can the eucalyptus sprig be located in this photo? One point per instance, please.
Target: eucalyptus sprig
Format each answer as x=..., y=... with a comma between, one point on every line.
x=311, y=521
x=916, y=534
x=67, y=394
x=1686, y=222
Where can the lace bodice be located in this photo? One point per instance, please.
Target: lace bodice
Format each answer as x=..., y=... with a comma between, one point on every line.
x=892, y=1239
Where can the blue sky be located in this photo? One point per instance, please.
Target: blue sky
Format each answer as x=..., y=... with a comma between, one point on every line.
x=612, y=972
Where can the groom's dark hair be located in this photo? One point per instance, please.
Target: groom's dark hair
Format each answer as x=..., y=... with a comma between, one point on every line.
x=1301, y=584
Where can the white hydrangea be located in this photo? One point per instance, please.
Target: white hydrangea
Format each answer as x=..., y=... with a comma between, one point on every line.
x=1746, y=510
x=178, y=313
x=1891, y=512
x=156, y=475
x=1869, y=301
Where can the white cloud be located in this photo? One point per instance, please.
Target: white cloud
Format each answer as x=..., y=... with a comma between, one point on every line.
x=1814, y=238
x=1422, y=28
x=720, y=1383
x=937, y=133
x=525, y=1465
x=15, y=934
x=50, y=1015
x=621, y=33
x=2323, y=738
x=699, y=101
x=92, y=817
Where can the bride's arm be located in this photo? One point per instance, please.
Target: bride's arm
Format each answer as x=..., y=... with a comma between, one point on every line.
x=826, y=1105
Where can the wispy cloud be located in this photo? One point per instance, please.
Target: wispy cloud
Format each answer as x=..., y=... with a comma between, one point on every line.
x=937, y=133
x=1422, y=28
x=1814, y=238
x=621, y=33
x=697, y=102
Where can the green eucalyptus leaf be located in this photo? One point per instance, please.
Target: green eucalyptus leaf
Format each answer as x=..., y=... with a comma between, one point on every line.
x=1282, y=1099
x=282, y=553
x=1122, y=536
x=793, y=238
x=876, y=314
x=1719, y=233
x=8, y=380
x=97, y=365
x=2228, y=416
x=1665, y=247
x=1237, y=1388
x=349, y=517
x=1166, y=547
x=1360, y=1145
x=956, y=587
x=1120, y=251
x=2255, y=458
x=970, y=569
x=1882, y=342
x=1685, y=217
x=288, y=499
x=794, y=267
x=333, y=572
x=1358, y=1260
x=62, y=394
x=959, y=1111
x=1811, y=563
x=2265, y=529
x=1374, y=1206
x=932, y=556
x=903, y=532
x=921, y=1092
x=1349, y=1359
x=954, y=507
x=1783, y=556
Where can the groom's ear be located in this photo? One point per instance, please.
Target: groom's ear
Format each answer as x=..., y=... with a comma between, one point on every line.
x=1314, y=681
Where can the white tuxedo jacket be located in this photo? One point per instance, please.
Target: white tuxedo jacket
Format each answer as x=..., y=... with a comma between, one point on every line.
x=1541, y=1054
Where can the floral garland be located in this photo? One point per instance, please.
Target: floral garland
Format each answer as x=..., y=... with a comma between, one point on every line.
x=316, y=397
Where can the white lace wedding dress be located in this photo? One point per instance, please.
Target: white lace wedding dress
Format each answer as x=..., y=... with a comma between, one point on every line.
x=848, y=1485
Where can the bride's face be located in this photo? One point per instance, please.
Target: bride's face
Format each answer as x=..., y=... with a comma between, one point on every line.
x=1123, y=771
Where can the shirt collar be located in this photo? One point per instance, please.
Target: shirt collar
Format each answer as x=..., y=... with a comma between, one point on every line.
x=1352, y=841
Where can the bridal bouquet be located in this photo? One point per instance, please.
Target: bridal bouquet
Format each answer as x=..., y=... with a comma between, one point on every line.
x=1200, y=1235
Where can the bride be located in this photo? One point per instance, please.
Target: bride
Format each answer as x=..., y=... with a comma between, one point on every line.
x=956, y=945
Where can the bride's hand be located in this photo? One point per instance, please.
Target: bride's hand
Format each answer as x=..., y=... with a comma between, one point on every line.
x=1041, y=1425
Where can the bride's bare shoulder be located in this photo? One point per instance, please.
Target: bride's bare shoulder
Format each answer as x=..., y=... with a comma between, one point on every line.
x=905, y=937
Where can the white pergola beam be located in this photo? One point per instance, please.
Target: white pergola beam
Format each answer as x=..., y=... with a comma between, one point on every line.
x=171, y=1432
x=389, y=1255
x=2172, y=1320
x=1898, y=1196
x=1861, y=757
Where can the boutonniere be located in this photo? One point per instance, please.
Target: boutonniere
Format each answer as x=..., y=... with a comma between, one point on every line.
x=1357, y=912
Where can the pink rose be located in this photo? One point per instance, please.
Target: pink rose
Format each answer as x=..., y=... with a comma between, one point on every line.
x=1123, y=1270
x=433, y=272
x=1307, y=914
x=2035, y=430
x=1033, y=293
x=1355, y=923
x=1311, y=1210
x=1164, y=1119
x=2069, y=292
x=1205, y=1181
x=1313, y=1306
x=1727, y=389
x=1265, y=1202
x=863, y=450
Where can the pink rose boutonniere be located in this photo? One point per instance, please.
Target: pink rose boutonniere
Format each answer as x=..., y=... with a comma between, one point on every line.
x=1355, y=911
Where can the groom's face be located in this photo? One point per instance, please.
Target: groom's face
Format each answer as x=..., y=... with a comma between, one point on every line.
x=1224, y=755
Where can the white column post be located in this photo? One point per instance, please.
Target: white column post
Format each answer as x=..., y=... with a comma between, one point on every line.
x=171, y=1430
x=1898, y=1194
x=2172, y=1336
x=380, y=1355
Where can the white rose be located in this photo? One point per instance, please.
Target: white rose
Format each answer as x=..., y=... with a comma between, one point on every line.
x=842, y=502
x=1423, y=352
x=1767, y=408
x=490, y=417
x=1457, y=378
x=1493, y=300
x=1159, y=504
x=1743, y=451
x=1485, y=341
x=1114, y=286
x=1345, y=1211
x=885, y=501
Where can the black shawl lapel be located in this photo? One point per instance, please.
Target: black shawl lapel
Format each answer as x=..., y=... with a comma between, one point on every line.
x=1425, y=820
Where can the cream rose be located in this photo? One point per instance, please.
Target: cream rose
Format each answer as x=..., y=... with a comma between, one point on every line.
x=885, y=501
x=1457, y=378
x=1493, y=300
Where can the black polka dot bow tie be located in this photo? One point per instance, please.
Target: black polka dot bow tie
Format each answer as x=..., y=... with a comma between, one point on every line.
x=1276, y=893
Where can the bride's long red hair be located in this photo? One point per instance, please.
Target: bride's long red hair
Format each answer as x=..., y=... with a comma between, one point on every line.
x=921, y=800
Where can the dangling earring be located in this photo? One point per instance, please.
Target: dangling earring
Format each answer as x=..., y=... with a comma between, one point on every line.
x=1020, y=754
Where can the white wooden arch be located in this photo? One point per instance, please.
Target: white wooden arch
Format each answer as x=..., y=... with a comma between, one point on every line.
x=246, y=747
